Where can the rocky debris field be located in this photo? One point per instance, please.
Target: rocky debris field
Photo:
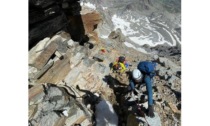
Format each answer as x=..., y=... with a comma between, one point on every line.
x=58, y=64
x=63, y=75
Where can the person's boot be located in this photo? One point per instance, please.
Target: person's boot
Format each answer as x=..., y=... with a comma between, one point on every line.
x=151, y=111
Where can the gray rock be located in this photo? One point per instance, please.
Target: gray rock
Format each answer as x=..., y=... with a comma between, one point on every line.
x=72, y=76
x=49, y=119
x=117, y=35
x=156, y=57
x=157, y=97
x=99, y=57
x=62, y=47
x=169, y=72
x=161, y=61
x=173, y=80
x=70, y=43
x=155, y=121
x=32, y=71
x=101, y=68
x=58, y=54
x=166, y=77
x=54, y=91
x=162, y=72
x=77, y=58
x=88, y=62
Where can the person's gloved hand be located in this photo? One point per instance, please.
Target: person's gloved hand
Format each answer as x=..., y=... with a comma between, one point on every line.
x=151, y=111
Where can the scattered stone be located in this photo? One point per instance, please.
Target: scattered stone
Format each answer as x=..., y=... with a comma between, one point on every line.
x=117, y=35
x=31, y=72
x=70, y=43
x=156, y=57
x=62, y=47
x=31, y=111
x=59, y=55
x=143, y=88
x=157, y=97
x=88, y=62
x=166, y=108
x=99, y=57
x=65, y=113
x=101, y=68
x=162, y=72
x=174, y=81
x=169, y=72
x=72, y=76
x=64, y=35
x=175, y=110
x=155, y=121
x=166, y=77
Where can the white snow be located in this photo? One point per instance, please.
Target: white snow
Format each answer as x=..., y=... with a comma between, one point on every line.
x=132, y=46
x=139, y=36
x=104, y=36
x=174, y=41
x=104, y=8
x=88, y=4
x=129, y=45
x=65, y=113
x=123, y=25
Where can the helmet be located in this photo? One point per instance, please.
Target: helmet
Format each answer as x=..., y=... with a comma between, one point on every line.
x=136, y=74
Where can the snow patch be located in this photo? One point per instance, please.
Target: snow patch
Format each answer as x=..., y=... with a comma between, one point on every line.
x=88, y=4
x=123, y=25
x=145, y=33
x=138, y=49
x=104, y=36
x=104, y=8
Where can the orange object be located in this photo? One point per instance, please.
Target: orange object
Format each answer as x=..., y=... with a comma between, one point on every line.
x=103, y=50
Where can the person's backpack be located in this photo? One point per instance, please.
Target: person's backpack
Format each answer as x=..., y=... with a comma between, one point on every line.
x=147, y=67
x=117, y=66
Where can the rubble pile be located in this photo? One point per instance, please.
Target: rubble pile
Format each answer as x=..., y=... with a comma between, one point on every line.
x=58, y=65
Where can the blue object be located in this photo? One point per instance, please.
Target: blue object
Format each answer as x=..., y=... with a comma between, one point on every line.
x=148, y=82
x=131, y=85
x=147, y=68
x=126, y=65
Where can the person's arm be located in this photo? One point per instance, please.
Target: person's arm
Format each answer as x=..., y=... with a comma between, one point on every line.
x=131, y=85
